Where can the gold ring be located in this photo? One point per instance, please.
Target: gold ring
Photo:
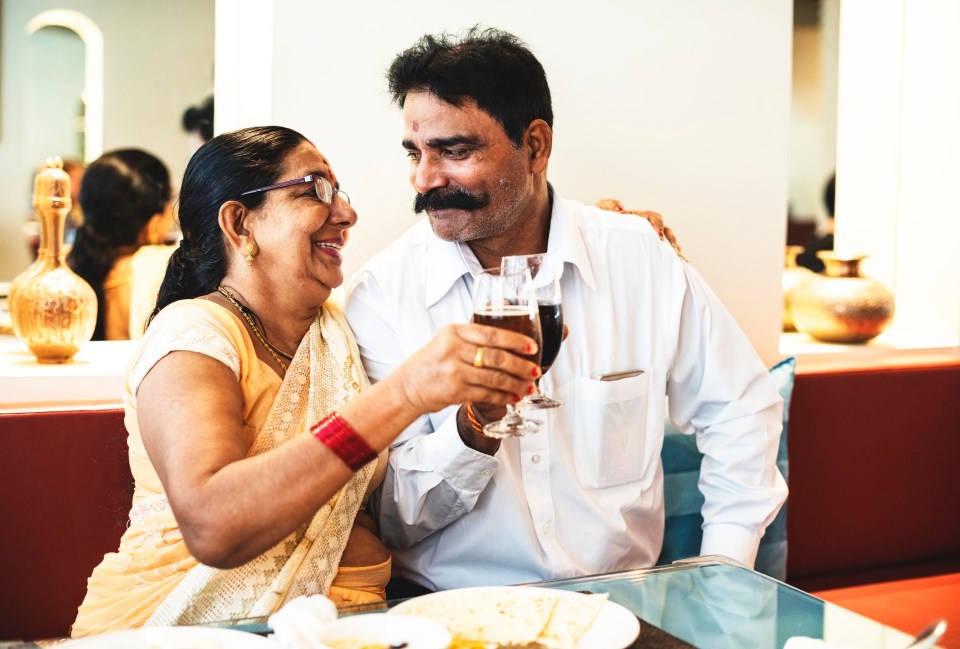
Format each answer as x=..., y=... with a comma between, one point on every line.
x=478, y=358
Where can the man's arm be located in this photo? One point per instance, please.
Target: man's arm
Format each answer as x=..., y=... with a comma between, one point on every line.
x=720, y=389
x=434, y=475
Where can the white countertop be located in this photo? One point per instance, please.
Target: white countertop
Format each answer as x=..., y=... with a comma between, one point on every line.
x=93, y=379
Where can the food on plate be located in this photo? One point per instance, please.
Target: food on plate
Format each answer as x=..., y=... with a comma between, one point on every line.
x=531, y=618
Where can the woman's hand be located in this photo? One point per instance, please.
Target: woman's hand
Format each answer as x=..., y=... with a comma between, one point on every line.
x=450, y=370
x=613, y=205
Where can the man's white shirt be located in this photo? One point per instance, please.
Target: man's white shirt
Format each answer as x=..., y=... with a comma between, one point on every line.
x=584, y=495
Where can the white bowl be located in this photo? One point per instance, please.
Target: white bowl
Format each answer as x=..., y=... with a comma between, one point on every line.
x=377, y=628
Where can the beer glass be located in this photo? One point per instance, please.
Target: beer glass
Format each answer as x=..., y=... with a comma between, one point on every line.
x=546, y=285
x=507, y=300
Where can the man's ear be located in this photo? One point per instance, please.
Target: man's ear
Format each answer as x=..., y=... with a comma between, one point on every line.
x=235, y=220
x=538, y=141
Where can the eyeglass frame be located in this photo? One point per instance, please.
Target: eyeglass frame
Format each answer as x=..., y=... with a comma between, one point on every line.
x=316, y=179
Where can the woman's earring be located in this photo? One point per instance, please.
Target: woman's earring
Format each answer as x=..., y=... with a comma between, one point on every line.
x=250, y=254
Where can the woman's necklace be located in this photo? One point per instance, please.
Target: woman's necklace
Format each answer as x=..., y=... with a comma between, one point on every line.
x=276, y=353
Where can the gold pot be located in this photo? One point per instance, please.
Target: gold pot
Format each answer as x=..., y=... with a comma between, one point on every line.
x=793, y=276
x=54, y=311
x=842, y=305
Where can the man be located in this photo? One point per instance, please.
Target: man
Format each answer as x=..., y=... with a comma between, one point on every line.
x=585, y=495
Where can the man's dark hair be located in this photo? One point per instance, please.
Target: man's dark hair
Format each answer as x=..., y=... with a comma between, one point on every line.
x=489, y=66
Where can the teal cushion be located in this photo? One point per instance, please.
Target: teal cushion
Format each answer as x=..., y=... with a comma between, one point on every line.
x=683, y=501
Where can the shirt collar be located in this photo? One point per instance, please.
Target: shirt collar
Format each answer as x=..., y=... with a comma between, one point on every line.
x=565, y=243
x=448, y=264
x=451, y=261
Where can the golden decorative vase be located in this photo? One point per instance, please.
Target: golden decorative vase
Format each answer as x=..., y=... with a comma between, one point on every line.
x=54, y=311
x=793, y=276
x=842, y=305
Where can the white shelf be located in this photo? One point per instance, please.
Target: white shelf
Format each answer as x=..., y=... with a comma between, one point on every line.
x=94, y=379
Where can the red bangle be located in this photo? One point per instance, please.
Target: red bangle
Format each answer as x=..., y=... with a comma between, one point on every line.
x=473, y=419
x=337, y=435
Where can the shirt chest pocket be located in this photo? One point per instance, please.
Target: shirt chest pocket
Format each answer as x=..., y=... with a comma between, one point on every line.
x=610, y=437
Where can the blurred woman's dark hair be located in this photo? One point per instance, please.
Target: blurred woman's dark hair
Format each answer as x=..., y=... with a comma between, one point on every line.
x=199, y=119
x=121, y=191
x=220, y=171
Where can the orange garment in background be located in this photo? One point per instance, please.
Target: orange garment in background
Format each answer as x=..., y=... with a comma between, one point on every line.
x=116, y=300
x=128, y=585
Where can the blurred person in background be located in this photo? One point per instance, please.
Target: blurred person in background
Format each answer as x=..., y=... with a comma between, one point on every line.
x=197, y=122
x=808, y=258
x=126, y=204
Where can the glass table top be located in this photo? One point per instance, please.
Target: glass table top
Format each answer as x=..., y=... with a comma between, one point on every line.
x=707, y=602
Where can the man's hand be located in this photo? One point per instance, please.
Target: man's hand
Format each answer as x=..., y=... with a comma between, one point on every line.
x=613, y=205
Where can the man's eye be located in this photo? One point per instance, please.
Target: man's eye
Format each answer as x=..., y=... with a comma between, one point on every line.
x=413, y=155
x=456, y=154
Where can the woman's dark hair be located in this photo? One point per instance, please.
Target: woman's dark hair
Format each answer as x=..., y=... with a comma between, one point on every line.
x=492, y=67
x=220, y=171
x=199, y=119
x=121, y=191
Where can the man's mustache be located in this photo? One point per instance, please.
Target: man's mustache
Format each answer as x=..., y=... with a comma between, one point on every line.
x=449, y=199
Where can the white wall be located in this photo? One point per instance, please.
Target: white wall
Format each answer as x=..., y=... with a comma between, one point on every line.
x=681, y=107
x=158, y=59
x=898, y=166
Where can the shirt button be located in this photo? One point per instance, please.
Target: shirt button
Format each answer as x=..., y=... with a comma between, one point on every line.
x=535, y=459
x=547, y=528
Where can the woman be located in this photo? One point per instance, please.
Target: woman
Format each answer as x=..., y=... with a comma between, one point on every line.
x=235, y=508
x=125, y=199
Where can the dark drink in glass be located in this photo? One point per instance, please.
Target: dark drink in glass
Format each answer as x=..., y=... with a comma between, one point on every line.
x=551, y=325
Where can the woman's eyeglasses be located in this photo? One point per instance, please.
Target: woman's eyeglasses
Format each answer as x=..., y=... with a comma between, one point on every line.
x=326, y=192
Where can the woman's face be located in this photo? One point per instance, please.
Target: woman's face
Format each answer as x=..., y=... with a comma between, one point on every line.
x=299, y=238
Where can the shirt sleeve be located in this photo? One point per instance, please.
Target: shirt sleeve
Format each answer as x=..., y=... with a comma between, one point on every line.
x=720, y=390
x=432, y=478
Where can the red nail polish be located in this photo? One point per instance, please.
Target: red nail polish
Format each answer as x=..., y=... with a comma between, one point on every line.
x=536, y=372
x=516, y=398
x=531, y=389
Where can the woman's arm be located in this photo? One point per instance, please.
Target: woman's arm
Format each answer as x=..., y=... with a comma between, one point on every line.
x=231, y=508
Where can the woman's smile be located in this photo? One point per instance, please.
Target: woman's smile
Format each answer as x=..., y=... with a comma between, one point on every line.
x=331, y=247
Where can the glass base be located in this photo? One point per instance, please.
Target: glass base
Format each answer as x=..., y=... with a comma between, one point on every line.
x=512, y=425
x=538, y=401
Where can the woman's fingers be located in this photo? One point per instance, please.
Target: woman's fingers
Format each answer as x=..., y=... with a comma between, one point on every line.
x=469, y=363
x=655, y=219
x=494, y=337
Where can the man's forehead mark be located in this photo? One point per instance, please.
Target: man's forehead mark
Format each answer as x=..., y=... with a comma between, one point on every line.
x=415, y=126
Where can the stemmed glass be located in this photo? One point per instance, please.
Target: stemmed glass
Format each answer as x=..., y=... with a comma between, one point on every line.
x=546, y=284
x=507, y=300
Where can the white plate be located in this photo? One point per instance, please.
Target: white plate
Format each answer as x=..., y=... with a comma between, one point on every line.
x=376, y=628
x=173, y=637
x=615, y=627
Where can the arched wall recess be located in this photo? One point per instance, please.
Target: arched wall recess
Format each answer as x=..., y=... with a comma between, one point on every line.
x=92, y=38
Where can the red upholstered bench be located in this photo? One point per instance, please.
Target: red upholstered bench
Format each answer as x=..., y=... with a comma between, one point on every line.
x=64, y=500
x=873, y=521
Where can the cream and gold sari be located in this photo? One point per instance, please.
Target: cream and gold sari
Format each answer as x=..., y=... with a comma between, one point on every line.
x=152, y=579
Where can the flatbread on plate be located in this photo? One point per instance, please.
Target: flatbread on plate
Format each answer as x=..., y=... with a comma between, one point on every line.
x=510, y=616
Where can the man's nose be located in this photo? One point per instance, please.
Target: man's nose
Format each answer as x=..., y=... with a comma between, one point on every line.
x=428, y=175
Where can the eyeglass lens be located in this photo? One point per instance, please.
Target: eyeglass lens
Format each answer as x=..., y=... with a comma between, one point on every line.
x=326, y=193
